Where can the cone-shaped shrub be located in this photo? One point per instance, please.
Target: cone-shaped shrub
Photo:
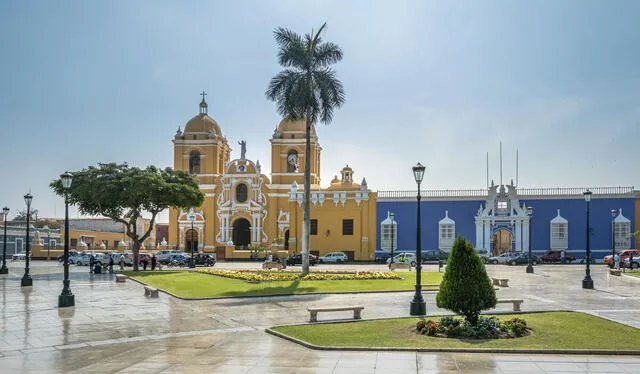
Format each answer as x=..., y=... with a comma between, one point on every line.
x=466, y=288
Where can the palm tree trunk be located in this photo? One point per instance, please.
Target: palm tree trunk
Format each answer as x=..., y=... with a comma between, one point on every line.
x=306, y=218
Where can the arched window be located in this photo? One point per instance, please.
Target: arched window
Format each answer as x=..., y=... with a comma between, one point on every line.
x=292, y=161
x=194, y=162
x=241, y=193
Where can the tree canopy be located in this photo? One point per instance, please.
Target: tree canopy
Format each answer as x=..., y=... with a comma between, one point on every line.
x=124, y=193
x=308, y=88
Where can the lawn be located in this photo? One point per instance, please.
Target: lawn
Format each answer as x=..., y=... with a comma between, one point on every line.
x=195, y=285
x=634, y=274
x=553, y=330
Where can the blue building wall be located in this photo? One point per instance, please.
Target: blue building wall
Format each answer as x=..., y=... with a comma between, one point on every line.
x=544, y=210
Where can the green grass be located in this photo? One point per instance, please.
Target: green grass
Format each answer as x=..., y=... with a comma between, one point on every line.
x=633, y=274
x=195, y=285
x=553, y=330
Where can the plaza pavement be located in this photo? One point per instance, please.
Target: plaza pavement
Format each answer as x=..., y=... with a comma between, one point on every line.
x=115, y=329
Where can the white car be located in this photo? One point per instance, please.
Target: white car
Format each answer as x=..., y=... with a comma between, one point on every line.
x=337, y=257
x=408, y=257
x=503, y=258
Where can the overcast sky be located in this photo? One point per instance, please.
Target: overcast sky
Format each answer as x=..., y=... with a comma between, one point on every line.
x=441, y=83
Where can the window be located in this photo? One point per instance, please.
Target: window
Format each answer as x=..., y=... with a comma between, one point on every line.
x=19, y=245
x=314, y=227
x=559, y=235
x=74, y=242
x=241, y=193
x=502, y=205
x=115, y=243
x=389, y=237
x=447, y=232
x=622, y=236
x=194, y=162
x=347, y=227
x=53, y=244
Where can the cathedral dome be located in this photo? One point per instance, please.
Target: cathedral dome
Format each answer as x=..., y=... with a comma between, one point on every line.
x=203, y=124
x=288, y=125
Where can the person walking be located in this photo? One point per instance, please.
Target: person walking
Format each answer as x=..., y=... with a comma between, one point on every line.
x=91, y=263
x=111, y=264
x=562, y=257
x=145, y=262
x=153, y=262
x=121, y=261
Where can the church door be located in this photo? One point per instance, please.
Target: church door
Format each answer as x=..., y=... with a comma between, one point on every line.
x=191, y=241
x=241, y=233
x=501, y=242
x=286, y=240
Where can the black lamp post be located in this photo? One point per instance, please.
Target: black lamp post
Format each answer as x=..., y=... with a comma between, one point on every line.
x=4, y=269
x=393, y=217
x=613, y=234
x=192, y=263
x=587, y=282
x=66, y=298
x=26, y=278
x=530, y=214
x=418, y=306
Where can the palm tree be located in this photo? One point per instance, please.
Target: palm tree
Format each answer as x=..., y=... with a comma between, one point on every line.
x=308, y=89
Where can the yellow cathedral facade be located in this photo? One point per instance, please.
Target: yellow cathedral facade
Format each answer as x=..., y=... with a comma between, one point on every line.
x=244, y=209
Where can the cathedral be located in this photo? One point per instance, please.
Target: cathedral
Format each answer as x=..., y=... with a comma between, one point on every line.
x=245, y=210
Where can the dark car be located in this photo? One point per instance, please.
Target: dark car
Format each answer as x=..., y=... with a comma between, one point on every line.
x=382, y=257
x=71, y=253
x=297, y=259
x=204, y=259
x=523, y=259
x=434, y=256
x=179, y=259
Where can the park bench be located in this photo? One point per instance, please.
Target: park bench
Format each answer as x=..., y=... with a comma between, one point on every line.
x=516, y=303
x=314, y=311
x=121, y=278
x=502, y=282
x=150, y=291
x=615, y=272
x=399, y=265
x=271, y=265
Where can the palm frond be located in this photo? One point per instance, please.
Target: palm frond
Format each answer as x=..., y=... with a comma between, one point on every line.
x=330, y=93
x=285, y=37
x=326, y=54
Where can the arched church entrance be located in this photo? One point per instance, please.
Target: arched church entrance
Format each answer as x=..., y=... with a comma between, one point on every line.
x=286, y=240
x=241, y=233
x=501, y=242
x=191, y=241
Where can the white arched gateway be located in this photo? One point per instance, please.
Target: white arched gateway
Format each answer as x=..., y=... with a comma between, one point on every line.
x=502, y=224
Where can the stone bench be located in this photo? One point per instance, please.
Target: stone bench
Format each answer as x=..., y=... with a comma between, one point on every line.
x=502, y=282
x=271, y=265
x=314, y=311
x=150, y=291
x=615, y=272
x=399, y=265
x=121, y=278
x=516, y=303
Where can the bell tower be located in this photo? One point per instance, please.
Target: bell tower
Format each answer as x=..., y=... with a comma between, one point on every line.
x=288, y=155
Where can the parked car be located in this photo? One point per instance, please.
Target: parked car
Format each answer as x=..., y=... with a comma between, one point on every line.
x=484, y=254
x=382, y=257
x=338, y=257
x=434, y=256
x=555, y=255
x=179, y=259
x=503, y=258
x=636, y=262
x=71, y=253
x=80, y=259
x=204, y=259
x=523, y=258
x=624, y=255
x=297, y=259
x=404, y=257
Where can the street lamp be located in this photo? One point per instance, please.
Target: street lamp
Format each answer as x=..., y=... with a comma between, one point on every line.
x=613, y=234
x=26, y=278
x=4, y=269
x=66, y=298
x=418, y=306
x=393, y=217
x=530, y=214
x=48, y=244
x=192, y=217
x=587, y=282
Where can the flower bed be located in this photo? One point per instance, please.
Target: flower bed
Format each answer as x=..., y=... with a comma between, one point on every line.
x=486, y=328
x=256, y=276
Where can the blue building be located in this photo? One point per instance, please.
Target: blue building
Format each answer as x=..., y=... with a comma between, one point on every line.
x=504, y=218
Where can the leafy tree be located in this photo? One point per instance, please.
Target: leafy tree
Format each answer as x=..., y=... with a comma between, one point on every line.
x=466, y=288
x=21, y=216
x=124, y=193
x=308, y=89
x=50, y=223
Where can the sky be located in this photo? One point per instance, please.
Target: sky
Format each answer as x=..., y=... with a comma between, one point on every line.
x=441, y=83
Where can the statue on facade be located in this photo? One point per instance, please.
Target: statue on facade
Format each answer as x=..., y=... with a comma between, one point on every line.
x=243, y=149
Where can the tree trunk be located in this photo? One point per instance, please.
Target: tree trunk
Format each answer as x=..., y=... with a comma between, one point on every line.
x=136, y=251
x=306, y=218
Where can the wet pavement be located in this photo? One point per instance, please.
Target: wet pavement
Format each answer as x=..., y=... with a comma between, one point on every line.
x=115, y=329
